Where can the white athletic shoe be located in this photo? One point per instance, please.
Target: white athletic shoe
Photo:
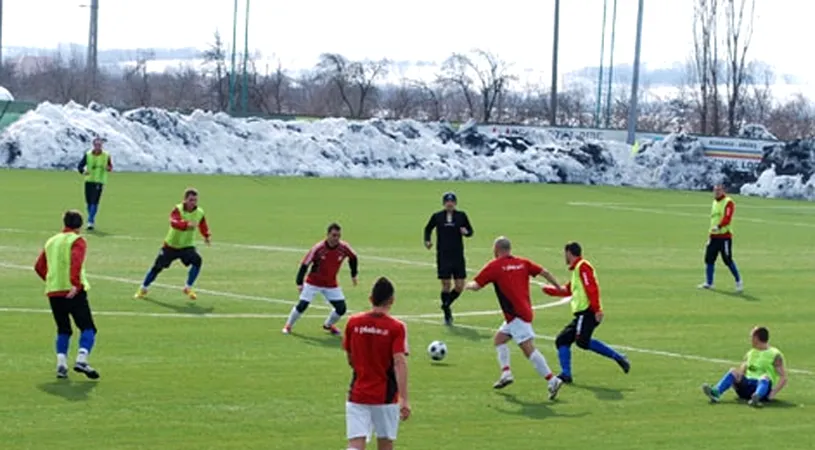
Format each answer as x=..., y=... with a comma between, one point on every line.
x=505, y=380
x=705, y=286
x=740, y=286
x=554, y=386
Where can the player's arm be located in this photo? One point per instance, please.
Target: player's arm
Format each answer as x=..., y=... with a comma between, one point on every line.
x=399, y=348
x=41, y=265
x=557, y=291
x=782, y=376
x=590, y=287
x=536, y=269
x=353, y=261
x=346, y=343
x=729, y=210
x=203, y=228
x=467, y=226
x=178, y=222
x=483, y=278
x=304, y=265
x=110, y=164
x=82, y=164
x=78, y=251
x=428, y=229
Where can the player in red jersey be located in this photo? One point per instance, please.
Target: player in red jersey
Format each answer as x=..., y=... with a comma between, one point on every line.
x=325, y=260
x=510, y=275
x=377, y=347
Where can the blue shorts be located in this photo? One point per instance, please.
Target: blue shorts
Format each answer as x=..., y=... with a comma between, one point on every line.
x=747, y=387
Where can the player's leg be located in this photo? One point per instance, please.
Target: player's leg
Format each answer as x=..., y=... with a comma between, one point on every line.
x=60, y=311
x=93, y=194
x=336, y=298
x=711, y=253
x=732, y=378
x=306, y=296
x=83, y=318
x=358, y=425
x=727, y=259
x=385, y=420
x=192, y=259
x=165, y=258
x=502, y=337
x=459, y=277
x=563, y=344
x=586, y=324
x=524, y=336
x=444, y=272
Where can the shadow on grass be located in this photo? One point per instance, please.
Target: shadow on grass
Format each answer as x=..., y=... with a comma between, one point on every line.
x=441, y=364
x=469, y=333
x=323, y=341
x=98, y=233
x=533, y=410
x=189, y=308
x=771, y=404
x=603, y=393
x=69, y=390
x=740, y=295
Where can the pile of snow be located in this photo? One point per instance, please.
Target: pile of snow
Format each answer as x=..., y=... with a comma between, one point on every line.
x=5, y=95
x=155, y=140
x=786, y=171
x=756, y=131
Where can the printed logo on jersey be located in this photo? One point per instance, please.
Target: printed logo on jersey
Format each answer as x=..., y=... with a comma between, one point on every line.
x=513, y=267
x=371, y=330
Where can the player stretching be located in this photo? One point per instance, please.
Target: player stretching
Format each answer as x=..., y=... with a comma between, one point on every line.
x=62, y=266
x=377, y=347
x=721, y=238
x=95, y=165
x=325, y=260
x=180, y=243
x=587, y=311
x=450, y=225
x=510, y=276
x=760, y=377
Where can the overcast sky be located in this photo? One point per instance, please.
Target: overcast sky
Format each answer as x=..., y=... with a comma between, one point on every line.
x=520, y=31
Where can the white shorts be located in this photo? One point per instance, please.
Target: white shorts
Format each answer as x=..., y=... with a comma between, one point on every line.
x=362, y=420
x=519, y=330
x=330, y=294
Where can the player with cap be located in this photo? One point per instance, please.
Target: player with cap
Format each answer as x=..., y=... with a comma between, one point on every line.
x=451, y=226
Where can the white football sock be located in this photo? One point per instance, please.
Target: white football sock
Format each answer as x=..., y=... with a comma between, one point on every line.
x=295, y=314
x=333, y=318
x=82, y=356
x=537, y=360
x=503, y=356
x=62, y=359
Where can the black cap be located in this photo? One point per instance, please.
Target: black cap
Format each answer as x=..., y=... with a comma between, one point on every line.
x=449, y=197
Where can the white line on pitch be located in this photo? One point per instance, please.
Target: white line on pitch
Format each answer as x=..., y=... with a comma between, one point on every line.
x=684, y=214
x=168, y=315
x=701, y=206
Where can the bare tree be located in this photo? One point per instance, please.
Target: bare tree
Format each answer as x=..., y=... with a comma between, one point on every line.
x=355, y=81
x=137, y=80
x=215, y=66
x=739, y=34
x=480, y=72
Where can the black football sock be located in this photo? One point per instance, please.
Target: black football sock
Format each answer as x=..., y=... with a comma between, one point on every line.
x=453, y=296
x=445, y=300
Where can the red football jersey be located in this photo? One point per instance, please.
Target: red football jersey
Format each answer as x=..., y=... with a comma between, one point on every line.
x=510, y=277
x=371, y=340
x=325, y=263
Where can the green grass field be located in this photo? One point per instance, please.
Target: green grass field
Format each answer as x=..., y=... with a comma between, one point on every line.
x=218, y=374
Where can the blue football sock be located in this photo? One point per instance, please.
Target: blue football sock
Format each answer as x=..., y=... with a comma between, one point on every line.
x=63, y=342
x=602, y=349
x=725, y=383
x=192, y=275
x=564, y=354
x=735, y=271
x=709, y=273
x=763, y=388
x=151, y=276
x=87, y=339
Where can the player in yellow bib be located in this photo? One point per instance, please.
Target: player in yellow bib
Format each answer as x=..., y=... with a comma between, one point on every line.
x=95, y=165
x=180, y=243
x=720, y=239
x=761, y=376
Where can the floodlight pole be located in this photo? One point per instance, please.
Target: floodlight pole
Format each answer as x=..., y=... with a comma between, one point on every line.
x=599, y=105
x=635, y=81
x=93, y=59
x=611, y=64
x=245, y=84
x=231, y=100
x=553, y=90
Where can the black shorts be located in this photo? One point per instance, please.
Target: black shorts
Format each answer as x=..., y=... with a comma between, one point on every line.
x=451, y=268
x=64, y=309
x=188, y=256
x=93, y=193
x=717, y=246
x=578, y=331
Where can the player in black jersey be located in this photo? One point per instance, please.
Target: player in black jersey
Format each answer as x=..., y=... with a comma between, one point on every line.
x=451, y=227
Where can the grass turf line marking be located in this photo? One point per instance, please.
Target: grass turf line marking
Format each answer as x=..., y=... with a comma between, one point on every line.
x=236, y=296
x=169, y=315
x=421, y=318
x=684, y=214
x=701, y=206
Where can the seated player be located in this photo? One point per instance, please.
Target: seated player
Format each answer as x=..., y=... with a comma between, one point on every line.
x=759, y=379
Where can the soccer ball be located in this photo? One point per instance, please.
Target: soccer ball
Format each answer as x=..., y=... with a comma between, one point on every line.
x=437, y=350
